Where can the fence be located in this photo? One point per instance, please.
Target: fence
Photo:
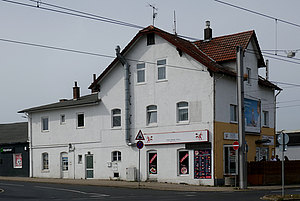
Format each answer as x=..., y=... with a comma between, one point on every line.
x=269, y=172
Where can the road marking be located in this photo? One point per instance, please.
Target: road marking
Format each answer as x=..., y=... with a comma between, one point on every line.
x=74, y=191
x=4, y=184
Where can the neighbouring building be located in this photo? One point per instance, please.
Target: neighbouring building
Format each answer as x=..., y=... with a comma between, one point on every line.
x=14, y=150
x=180, y=94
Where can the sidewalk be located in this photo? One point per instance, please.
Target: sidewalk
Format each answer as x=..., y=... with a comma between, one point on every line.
x=145, y=185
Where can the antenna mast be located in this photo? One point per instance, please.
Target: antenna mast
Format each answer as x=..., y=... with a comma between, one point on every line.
x=153, y=12
x=175, y=31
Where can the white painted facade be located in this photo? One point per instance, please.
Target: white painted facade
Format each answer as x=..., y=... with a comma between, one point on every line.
x=208, y=98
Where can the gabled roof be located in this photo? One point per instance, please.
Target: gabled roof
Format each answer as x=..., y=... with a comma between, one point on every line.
x=13, y=133
x=82, y=101
x=223, y=48
x=208, y=53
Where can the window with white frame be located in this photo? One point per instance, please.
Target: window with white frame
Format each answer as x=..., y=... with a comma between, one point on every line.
x=183, y=162
x=45, y=161
x=151, y=114
x=80, y=159
x=161, y=69
x=116, y=156
x=62, y=119
x=233, y=113
x=249, y=76
x=265, y=118
x=140, y=72
x=230, y=160
x=80, y=120
x=182, y=111
x=116, y=118
x=45, y=124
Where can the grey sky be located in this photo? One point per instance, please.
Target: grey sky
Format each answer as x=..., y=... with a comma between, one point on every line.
x=31, y=76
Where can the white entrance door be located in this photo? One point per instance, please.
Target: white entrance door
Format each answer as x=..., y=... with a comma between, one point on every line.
x=89, y=166
x=64, y=165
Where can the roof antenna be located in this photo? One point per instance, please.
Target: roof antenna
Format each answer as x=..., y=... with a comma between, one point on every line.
x=174, y=29
x=153, y=12
x=38, y=3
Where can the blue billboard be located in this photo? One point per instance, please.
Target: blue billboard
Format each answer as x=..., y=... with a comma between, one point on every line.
x=252, y=115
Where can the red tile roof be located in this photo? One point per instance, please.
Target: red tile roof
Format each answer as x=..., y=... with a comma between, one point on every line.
x=208, y=53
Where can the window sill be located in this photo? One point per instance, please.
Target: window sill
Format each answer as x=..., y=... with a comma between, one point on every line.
x=182, y=123
x=45, y=171
x=80, y=127
x=141, y=83
x=266, y=126
x=45, y=131
x=116, y=128
x=162, y=80
x=183, y=175
x=233, y=122
x=152, y=125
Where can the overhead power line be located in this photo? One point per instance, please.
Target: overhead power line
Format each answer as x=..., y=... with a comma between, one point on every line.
x=259, y=13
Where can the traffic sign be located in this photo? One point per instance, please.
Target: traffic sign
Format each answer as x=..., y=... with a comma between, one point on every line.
x=281, y=147
x=140, y=144
x=281, y=136
x=140, y=136
x=236, y=145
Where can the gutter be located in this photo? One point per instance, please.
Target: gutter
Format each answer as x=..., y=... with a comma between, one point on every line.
x=127, y=95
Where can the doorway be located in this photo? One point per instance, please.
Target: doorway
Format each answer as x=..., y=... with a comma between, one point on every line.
x=64, y=165
x=89, y=166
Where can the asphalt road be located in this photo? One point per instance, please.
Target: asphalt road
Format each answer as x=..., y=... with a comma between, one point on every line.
x=31, y=191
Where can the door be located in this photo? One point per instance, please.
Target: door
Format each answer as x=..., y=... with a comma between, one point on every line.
x=64, y=165
x=152, y=165
x=89, y=166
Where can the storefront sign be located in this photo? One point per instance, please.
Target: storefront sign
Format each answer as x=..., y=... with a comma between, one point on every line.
x=269, y=139
x=7, y=149
x=231, y=136
x=176, y=137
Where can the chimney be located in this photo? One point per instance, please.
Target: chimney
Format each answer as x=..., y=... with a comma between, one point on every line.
x=94, y=77
x=76, y=92
x=207, y=31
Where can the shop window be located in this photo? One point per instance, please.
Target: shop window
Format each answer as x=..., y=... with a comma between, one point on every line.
x=202, y=164
x=230, y=160
x=116, y=156
x=152, y=163
x=45, y=161
x=183, y=162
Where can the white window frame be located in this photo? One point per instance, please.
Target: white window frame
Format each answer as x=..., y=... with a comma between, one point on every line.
x=45, y=161
x=161, y=66
x=151, y=112
x=116, y=156
x=79, y=159
x=114, y=116
x=140, y=70
x=179, y=109
x=233, y=113
x=77, y=120
x=266, y=118
x=227, y=172
x=62, y=119
x=43, y=128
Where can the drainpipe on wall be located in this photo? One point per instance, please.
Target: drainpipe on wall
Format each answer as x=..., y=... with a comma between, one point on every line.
x=127, y=95
x=30, y=144
x=275, y=116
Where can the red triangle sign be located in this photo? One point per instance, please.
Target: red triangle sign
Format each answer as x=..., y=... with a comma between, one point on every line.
x=139, y=136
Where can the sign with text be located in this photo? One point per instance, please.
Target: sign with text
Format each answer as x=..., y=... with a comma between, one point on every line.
x=176, y=137
x=17, y=160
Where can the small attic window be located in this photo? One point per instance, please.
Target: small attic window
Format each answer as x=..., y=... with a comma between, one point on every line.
x=150, y=39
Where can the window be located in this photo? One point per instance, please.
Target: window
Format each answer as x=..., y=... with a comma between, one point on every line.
x=182, y=111
x=80, y=120
x=140, y=68
x=265, y=118
x=64, y=162
x=183, y=162
x=45, y=123
x=116, y=118
x=45, y=161
x=230, y=160
x=152, y=163
x=161, y=69
x=150, y=39
x=17, y=160
x=79, y=159
x=249, y=75
x=151, y=114
x=233, y=113
x=116, y=156
x=62, y=119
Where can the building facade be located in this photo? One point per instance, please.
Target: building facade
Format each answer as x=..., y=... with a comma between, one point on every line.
x=180, y=95
x=14, y=150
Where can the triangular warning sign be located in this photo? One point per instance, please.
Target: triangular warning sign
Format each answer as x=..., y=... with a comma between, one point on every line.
x=139, y=136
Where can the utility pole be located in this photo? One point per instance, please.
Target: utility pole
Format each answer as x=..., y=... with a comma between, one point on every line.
x=241, y=117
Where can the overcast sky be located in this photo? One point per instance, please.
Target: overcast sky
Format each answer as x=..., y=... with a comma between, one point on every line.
x=32, y=76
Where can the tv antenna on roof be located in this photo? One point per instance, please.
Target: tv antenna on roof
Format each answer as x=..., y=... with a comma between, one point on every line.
x=174, y=29
x=153, y=12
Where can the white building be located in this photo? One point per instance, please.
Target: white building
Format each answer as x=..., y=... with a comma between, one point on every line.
x=181, y=95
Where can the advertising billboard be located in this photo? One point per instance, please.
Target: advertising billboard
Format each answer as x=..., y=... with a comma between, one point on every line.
x=252, y=115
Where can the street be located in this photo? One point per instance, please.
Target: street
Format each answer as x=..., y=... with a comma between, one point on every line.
x=14, y=190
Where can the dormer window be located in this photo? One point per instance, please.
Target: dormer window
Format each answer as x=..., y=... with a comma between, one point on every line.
x=150, y=39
